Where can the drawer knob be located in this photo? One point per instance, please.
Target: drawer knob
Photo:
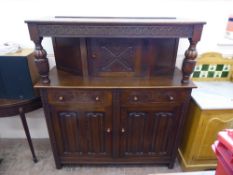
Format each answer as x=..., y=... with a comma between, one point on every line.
x=61, y=98
x=94, y=55
x=171, y=98
x=97, y=98
x=122, y=130
x=135, y=98
x=108, y=130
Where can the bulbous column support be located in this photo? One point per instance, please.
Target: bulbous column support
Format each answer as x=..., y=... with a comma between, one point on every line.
x=189, y=61
x=41, y=61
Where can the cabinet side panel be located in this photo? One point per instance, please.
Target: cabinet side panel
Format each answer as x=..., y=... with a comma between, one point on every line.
x=164, y=56
x=192, y=127
x=68, y=55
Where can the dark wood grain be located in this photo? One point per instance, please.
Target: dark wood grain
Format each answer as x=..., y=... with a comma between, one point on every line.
x=62, y=79
x=148, y=131
x=41, y=61
x=65, y=50
x=115, y=96
x=83, y=131
x=115, y=28
x=116, y=57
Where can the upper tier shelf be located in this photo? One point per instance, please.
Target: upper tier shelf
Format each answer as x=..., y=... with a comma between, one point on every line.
x=62, y=79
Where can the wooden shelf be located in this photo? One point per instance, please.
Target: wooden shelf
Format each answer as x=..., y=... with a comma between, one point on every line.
x=62, y=79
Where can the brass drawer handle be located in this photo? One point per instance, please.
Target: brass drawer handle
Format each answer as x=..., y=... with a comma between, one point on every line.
x=164, y=114
x=94, y=114
x=60, y=98
x=137, y=114
x=108, y=130
x=97, y=98
x=171, y=98
x=68, y=114
x=93, y=55
x=135, y=98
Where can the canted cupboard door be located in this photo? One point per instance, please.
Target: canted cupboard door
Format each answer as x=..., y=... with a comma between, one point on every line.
x=212, y=122
x=83, y=132
x=148, y=131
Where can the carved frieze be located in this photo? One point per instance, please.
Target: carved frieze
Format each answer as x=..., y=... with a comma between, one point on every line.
x=70, y=30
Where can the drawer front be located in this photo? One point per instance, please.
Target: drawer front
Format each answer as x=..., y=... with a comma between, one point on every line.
x=64, y=96
x=131, y=97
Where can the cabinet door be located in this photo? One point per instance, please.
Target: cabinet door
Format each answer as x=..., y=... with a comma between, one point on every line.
x=148, y=131
x=114, y=56
x=212, y=122
x=83, y=132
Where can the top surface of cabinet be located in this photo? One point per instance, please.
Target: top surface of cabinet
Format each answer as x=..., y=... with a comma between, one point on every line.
x=115, y=20
x=207, y=93
x=114, y=27
x=20, y=53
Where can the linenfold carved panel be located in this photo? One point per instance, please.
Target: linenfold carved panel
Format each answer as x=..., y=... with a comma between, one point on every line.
x=165, y=31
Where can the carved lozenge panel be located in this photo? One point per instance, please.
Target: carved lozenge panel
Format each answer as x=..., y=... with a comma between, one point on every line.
x=112, y=55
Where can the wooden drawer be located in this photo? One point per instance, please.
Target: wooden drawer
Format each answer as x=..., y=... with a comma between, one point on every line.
x=64, y=96
x=131, y=97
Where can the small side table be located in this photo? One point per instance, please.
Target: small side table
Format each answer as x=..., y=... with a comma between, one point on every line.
x=10, y=108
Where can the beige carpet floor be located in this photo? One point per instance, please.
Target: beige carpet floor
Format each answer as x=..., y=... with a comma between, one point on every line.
x=17, y=160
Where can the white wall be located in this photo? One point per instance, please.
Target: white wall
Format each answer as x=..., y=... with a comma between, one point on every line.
x=14, y=12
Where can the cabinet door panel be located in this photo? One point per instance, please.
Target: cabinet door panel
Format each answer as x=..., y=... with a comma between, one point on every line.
x=161, y=130
x=136, y=127
x=70, y=130
x=213, y=122
x=117, y=57
x=83, y=132
x=148, y=131
x=96, y=132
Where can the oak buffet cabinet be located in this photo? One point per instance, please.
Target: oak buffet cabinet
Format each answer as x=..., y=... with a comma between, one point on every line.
x=115, y=96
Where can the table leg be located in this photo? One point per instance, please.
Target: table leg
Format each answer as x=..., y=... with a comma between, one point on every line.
x=24, y=122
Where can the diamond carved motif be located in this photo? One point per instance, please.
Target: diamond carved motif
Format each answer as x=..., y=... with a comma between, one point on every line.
x=117, y=58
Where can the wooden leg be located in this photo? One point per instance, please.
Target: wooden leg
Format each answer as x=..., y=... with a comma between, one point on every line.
x=171, y=164
x=58, y=165
x=25, y=126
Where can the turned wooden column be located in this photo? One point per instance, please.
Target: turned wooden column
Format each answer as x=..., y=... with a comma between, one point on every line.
x=191, y=54
x=41, y=61
x=189, y=61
